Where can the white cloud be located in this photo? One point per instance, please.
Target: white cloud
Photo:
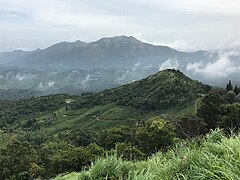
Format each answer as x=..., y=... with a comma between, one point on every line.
x=50, y=84
x=169, y=64
x=148, y=66
x=20, y=77
x=44, y=86
x=228, y=7
x=182, y=45
x=227, y=64
x=86, y=80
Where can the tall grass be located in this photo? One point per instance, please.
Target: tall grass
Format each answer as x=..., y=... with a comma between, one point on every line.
x=214, y=157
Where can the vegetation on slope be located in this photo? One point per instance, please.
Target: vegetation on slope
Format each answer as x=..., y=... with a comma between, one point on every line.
x=165, y=90
x=12, y=111
x=15, y=94
x=214, y=157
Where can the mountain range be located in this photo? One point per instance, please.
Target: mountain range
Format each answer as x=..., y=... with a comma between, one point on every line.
x=116, y=52
x=80, y=67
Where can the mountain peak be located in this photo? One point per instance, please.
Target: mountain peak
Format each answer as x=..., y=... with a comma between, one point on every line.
x=119, y=39
x=18, y=51
x=66, y=45
x=79, y=42
x=168, y=73
x=174, y=71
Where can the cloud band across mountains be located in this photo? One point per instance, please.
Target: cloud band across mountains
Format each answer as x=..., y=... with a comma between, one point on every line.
x=228, y=63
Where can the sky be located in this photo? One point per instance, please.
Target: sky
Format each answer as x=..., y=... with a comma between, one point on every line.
x=186, y=25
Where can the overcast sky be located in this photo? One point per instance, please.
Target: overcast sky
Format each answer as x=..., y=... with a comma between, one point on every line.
x=182, y=24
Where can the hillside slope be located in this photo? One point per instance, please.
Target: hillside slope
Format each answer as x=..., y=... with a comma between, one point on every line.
x=165, y=89
x=164, y=93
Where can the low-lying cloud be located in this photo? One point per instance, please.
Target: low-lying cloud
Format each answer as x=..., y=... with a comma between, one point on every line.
x=186, y=46
x=169, y=64
x=228, y=63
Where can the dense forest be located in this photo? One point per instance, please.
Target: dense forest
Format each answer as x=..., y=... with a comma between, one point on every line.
x=166, y=120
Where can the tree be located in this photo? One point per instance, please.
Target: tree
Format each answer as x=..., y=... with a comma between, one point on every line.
x=36, y=171
x=237, y=98
x=61, y=157
x=191, y=126
x=16, y=160
x=96, y=150
x=129, y=152
x=231, y=117
x=109, y=137
x=31, y=123
x=80, y=137
x=230, y=97
x=154, y=135
x=229, y=86
x=2, y=136
x=236, y=90
x=210, y=109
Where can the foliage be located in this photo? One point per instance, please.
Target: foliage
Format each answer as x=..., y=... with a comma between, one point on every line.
x=210, y=109
x=237, y=99
x=36, y=171
x=164, y=90
x=17, y=109
x=16, y=94
x=191, y=126
x=17, y=159
x=128, y=151
x=62, y=157
x=155, y=135
x=110, y=167
x=231, y=117
x=216, y=157
x=229, y=86
x=95, y=150
x=236, y=90
x=79, y=137
x=109, y=137
x=230, y=97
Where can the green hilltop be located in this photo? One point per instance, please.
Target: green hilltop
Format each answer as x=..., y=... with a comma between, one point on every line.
x=167, y=89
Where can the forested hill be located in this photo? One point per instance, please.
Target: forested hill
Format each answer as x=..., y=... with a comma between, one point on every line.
x=16, y=94
x=165, y=89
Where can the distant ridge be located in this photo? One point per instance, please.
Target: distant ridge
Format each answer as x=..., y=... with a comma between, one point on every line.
x=108, y=52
